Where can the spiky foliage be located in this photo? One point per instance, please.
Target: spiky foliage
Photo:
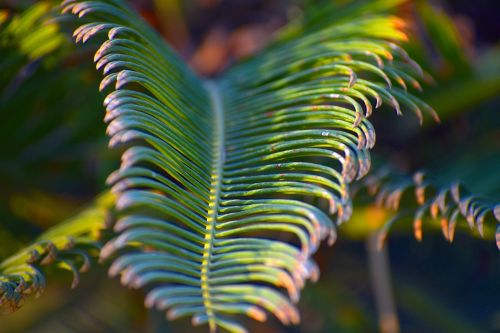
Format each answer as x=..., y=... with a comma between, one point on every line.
x=68, y=246
x=210, y=190
x=31, y=32
x=427, y=199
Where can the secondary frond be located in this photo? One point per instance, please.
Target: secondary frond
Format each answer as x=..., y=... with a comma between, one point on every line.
x=210, y=190
x=69, y=246
x=448, y=204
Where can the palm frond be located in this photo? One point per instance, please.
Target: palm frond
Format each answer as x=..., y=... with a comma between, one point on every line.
x=212, y=219
x=448, y=204
x=69, y=246
x=323, y=13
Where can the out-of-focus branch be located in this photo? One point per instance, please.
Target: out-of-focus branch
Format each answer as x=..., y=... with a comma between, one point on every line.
x=381, y=284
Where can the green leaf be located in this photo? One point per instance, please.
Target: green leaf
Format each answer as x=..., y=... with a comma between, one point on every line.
x=68, y=246
x=212, y=216
x=32, y=32
x=426, y=200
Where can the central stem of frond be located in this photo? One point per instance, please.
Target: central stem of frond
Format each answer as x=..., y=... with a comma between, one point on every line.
x=213, y=207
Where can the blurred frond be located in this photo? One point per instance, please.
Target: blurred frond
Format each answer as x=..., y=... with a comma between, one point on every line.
x=448, y=54
x=31, y=34
x=465, y=75
x=322, y=13
x=427, y=200
x=210, y=190
x=68, y=246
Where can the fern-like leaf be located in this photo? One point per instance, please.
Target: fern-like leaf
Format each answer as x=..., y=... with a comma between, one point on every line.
x=69, y=246
x=212, y=219
x=448, y=204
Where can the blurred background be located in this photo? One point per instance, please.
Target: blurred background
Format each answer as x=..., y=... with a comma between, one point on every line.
x=54, y=158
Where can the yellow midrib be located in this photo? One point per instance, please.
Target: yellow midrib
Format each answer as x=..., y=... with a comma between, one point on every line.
x=216, y=179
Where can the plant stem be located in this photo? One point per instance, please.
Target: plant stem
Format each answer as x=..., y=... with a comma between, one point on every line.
x=382, y=288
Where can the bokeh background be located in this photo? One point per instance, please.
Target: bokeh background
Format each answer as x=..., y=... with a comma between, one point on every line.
x=54, y=159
